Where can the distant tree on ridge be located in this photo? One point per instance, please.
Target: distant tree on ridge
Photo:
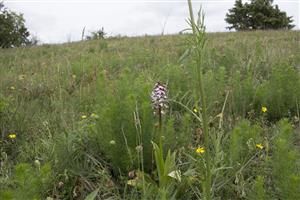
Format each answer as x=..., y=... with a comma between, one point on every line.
x=257, y=15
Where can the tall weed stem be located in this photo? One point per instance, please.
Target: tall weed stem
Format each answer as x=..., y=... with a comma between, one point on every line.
x=199, y=40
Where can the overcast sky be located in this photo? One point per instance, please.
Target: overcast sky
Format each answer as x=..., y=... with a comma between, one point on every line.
x=54, y=21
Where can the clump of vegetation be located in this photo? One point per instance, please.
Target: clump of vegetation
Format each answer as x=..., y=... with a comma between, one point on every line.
x=221, y=121
x=28, y=182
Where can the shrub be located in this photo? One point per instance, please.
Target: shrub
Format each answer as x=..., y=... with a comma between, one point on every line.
x=243, y=139
x=28, y=182
x=284, y=163
x=258, y=189
x=281, y=93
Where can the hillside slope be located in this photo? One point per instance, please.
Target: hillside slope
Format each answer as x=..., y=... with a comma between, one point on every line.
x=81, y=113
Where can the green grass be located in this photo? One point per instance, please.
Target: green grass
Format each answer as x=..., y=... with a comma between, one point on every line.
x=45, y=91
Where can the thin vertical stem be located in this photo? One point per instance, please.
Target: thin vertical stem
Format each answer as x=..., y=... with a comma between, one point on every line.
x=160, y=129
x=140, y=150
x=160, y=119
x=201, y=95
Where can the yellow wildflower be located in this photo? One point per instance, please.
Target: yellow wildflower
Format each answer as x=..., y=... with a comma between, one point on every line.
x=200, y=150
x=195, y=110
x=259, y=146
x=12, y=136
x=264, y=109
x=83, y=117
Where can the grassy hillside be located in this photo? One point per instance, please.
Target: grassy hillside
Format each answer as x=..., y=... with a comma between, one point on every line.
x=77, y=117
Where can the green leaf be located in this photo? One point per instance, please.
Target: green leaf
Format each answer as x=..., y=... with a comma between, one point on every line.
x=190, y=172
x=169, y=163
x=160, y=165
x=185, y=55
x=92, y=195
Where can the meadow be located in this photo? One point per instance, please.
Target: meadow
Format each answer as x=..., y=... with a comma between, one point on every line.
x=77, y=121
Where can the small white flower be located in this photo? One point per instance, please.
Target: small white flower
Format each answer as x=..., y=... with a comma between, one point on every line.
x=112, y=142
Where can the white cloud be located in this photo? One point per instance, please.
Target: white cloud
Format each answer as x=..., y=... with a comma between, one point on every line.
x=56, y=21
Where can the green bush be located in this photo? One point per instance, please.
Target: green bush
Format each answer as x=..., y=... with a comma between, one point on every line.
x=28, y=182
x=243, y=94
x=284, y=163
x=243, y=140
x=281, y=93
x=258, y=189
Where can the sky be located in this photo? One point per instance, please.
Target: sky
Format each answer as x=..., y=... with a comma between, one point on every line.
x=57, y=21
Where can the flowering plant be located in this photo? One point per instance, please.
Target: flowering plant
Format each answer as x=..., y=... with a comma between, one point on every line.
x=159, y=98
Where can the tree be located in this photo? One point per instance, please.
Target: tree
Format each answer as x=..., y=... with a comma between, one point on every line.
x=13, y=32
x=258, y=14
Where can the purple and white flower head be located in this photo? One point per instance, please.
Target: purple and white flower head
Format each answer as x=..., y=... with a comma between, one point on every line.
x=159, y=98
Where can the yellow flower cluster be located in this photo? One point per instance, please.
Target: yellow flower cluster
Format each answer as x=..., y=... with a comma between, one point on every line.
x=12, y=136
x=264, y=109
x=259, y=146
x=200, y=150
